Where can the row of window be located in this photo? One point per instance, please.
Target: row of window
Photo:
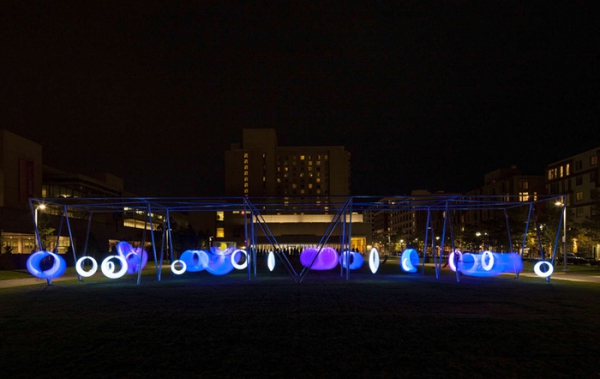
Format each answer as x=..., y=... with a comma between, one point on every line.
x=564, y=170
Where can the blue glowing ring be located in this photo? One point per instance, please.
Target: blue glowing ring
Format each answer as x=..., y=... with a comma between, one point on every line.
x=410, y=260
x=178, y=271
x=59, y=265
x=487, y=265
x=234, y=262
x=538, y=269
x=271, y=261
x=474, y=266
x=356, y=260
x=195, y=260
x=108, y=267
x=374, y=260
x=81, y=271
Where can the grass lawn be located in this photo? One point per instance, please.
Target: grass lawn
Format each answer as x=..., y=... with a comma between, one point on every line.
x=386, y=325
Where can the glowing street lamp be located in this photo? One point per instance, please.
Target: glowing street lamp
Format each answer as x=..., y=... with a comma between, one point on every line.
x=564, y=205
x=42, y=207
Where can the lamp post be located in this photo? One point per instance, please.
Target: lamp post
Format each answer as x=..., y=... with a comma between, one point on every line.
x=42, y=207
x=564, y=215
x=35, y=220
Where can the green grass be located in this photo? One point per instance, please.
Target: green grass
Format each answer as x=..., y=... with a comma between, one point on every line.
x=385, y=325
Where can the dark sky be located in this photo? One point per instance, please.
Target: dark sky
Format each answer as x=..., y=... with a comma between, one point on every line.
x=425, y=95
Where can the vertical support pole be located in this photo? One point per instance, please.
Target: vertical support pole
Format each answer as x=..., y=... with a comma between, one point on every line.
x=66, y=214
x=170, y=238
x=564, y=233
x=425, y=241
x=510, y=246
x=349, y=239
x=87, y=235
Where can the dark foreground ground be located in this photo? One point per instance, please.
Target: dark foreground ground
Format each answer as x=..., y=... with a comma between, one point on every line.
x=385, y=325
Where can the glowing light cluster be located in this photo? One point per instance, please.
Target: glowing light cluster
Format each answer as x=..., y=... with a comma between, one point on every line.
x=485, y=264
x=326, y=259
x=132, y=256
x=356, y=260
x=46, y=265
x=409, y=261
x=216, y=261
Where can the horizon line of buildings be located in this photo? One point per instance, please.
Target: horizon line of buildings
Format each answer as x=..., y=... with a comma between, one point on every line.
x=259, y=167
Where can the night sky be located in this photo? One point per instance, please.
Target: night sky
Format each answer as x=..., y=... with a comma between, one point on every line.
x=425, y=95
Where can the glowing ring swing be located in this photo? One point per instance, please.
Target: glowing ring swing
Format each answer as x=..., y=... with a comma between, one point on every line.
x=271, y=261
x=487, y=265
x=374, y=260
x=108, y=267
x=178, y=271
x=538, y=269
x=235, y=264
x=81, y=271
x=410, y=260
x=59, y=265
x=453, y=258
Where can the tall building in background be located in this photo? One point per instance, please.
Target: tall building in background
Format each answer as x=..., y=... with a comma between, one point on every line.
x=259, y=167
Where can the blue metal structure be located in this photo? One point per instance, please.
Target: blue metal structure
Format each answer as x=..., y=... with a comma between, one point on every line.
x=253, y=209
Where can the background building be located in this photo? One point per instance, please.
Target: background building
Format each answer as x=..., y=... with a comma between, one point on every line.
x=578, y=177
x=259, y=167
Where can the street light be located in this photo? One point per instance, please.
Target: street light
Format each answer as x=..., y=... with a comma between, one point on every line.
x=42, y=207
x=564, y=205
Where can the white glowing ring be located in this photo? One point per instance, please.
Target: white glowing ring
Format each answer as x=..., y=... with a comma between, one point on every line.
x=235, y=264
x=407, y=265
x=374, y=260
x=181, y=270
x=490, y=262
x=81, y=271
x=271, y=261
x=538, y=271
x=108, y=267
x=452, y=259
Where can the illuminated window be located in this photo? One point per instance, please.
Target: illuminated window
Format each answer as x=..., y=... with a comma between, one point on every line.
x=318, y=163
x=246, y=190
x=561, y=171
x=245, y=173
x=310, y=163
x=579, y=196
x=310, y=185
x=245, y=161
x=245, y=178
x=220, y=232
x=568, y=169
x=302, y=157
x=523, y=196
x=245, y=155
x=245, y=167
x=294, y=185
x=245, y=185
x=594, y=160
x=220, y=216
x=318, y=180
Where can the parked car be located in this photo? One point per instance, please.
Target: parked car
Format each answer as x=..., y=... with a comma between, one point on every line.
x=574, y=259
